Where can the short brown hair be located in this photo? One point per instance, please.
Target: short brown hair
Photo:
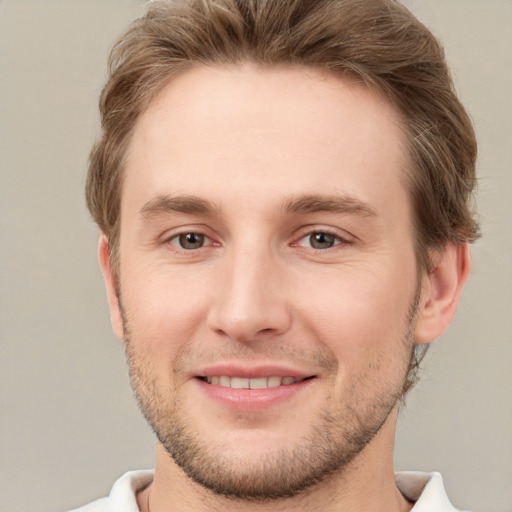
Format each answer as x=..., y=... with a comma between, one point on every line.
x=377, y=41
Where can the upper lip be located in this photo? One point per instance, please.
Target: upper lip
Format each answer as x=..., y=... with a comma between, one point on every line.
x=251, y=372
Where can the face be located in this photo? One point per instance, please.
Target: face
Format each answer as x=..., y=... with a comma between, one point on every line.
x=267, y=274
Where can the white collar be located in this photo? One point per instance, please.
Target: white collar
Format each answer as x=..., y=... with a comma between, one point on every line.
x=426, y=490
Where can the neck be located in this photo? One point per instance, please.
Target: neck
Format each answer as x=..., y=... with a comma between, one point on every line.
x=366, y=484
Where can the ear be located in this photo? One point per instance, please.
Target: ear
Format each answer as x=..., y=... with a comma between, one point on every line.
x=116, y=318
x=441, y=291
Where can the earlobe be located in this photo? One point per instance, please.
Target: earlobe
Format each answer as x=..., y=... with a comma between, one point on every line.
x=116, y=318
x=441, y=291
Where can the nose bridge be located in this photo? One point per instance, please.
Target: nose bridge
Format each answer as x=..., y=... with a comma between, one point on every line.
x=249, y=299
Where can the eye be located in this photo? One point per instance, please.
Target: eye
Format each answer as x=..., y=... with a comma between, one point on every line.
x=189, y=241
x=320, y=240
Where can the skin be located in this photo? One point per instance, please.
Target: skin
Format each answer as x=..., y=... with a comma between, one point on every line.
x=235, y=155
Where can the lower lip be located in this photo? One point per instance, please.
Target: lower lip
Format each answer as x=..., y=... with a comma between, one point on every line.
x=252, y=399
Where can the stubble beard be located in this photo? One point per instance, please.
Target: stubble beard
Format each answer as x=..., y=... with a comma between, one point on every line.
x=332, y=443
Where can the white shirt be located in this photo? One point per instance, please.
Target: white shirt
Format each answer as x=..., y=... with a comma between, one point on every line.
x=425, y=489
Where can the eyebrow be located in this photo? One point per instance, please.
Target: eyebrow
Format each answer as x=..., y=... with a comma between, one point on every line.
x=300, y=205
x=329, y=203
x=179, y=204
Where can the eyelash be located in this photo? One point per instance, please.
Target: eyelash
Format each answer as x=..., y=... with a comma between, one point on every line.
x=179, y=240
x=337, y=239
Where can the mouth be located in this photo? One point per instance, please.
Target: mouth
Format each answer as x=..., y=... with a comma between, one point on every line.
x=252, y=383
x=254, y=389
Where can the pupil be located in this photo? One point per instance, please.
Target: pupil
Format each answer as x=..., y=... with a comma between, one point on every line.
x=191, y=240
x=322, y=240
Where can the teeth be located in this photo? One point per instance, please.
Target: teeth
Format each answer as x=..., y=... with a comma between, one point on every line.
x=273, y=382
x=225, y=381
x=256, y=383
x=236, y=382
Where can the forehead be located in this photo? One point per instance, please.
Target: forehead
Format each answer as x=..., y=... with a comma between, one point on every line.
x=248, y=131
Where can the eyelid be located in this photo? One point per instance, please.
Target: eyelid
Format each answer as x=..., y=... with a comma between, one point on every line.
x=207, y=240
x=171, y=236
x=343, y=238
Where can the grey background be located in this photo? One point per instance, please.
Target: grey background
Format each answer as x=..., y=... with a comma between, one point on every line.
x=69, y=426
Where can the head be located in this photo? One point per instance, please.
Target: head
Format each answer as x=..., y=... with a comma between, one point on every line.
x=377, y=46
x=378, y=43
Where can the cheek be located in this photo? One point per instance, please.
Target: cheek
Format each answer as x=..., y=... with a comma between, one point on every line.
x=164, y=307
x=358, y=315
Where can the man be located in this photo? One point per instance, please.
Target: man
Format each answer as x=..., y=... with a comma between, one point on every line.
x=283, y=190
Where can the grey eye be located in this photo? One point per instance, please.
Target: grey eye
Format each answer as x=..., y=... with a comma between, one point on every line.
x=322, y=240
x=191, y=240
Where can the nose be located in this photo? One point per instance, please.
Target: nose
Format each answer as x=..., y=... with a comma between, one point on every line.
x=250, y=301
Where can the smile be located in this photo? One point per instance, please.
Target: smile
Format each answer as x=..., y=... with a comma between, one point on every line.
x=254, y=383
